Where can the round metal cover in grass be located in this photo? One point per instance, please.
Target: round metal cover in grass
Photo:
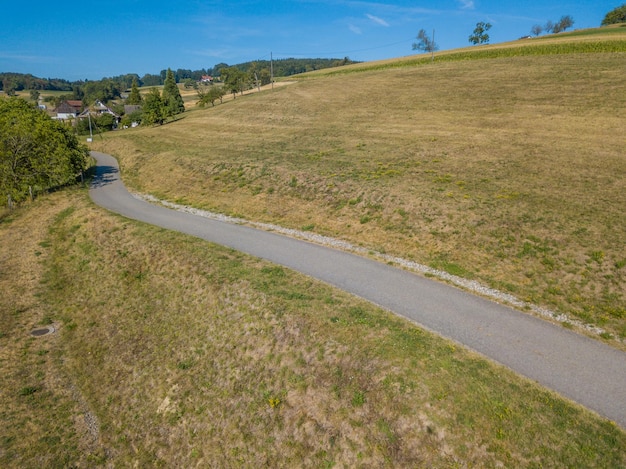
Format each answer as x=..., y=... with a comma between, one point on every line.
x=42, y=331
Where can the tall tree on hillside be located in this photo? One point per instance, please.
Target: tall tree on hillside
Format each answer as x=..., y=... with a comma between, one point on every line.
x=234, y=80
x=564, y=23
x=480, y=36
x=134, y=97
x=153, y=108
x=618, y=15
x=172, y=100
x=424, y=43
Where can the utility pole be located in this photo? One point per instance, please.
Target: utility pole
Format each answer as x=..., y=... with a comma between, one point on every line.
x=272, y=70
x=90, y=139
x=432, y=56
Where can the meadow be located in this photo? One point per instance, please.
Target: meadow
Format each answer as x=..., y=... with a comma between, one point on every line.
x=168, y=351
x=172, y=352
x=507, y=169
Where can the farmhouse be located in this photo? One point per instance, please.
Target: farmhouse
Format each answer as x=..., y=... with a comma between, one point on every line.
x=68, y=109
x=97, y=110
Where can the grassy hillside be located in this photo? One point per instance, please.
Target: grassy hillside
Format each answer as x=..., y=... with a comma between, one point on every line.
x=503, y=164
x=168, y=351
x=172, y=352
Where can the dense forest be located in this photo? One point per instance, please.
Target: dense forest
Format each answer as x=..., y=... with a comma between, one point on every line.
x=13, y=82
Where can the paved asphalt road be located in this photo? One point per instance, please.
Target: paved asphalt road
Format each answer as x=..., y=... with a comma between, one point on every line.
x=584, y=370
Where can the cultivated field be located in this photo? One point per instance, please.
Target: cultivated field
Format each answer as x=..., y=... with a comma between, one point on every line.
x=507, y=169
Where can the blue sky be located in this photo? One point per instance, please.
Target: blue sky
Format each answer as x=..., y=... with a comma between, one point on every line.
x=95, y=39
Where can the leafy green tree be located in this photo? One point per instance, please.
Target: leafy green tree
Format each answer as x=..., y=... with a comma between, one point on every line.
x=480, y=36
x=35, y=152
x=106, y=121
x=172, y=100
x=234, y=80
x=536, y=30
x=424, y=43
x=153, y=108
x=618, y=15
x=134, y=97
x=151, y=80
x=10, y=85
x=190, y=83
x=217, y=69
x=103, y=90
x=135, y=116
x=210, y=95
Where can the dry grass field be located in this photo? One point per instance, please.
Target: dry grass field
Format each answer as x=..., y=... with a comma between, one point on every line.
x=172, y=352
x=168, y=351
x=509, y=170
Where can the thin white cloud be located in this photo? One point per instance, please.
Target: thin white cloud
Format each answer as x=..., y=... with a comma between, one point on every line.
x=377, y=20
x=467, y=4
x=27, y=58
x=354, y=29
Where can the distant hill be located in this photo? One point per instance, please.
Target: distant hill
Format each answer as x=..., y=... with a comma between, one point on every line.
x=21, y=81
x=291, y=66
x=11, y=82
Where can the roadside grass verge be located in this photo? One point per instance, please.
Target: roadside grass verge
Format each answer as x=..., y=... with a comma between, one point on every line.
x=509, y=171
x=171, y=351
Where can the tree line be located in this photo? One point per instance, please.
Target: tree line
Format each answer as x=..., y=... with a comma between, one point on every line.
x=554, y=27
x=110, y=87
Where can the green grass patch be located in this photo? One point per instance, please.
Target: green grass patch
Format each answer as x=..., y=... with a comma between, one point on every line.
x=239, y=360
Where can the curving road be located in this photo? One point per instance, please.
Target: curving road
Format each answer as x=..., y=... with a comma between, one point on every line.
x=582, y=369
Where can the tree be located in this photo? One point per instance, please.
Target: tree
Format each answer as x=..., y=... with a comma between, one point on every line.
x=134, y=97
x=549, y=27
x=536, y=29
x=103, y=91
x=424, y=43
x=480, y=35
x=618, y=15
x=234, y=80
x=36, y=152
x=210, y=95
x=564, y=23
x=10, y=85
x=217, y=69
x=172, y=100
x=151, y=80
x=153, y=108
